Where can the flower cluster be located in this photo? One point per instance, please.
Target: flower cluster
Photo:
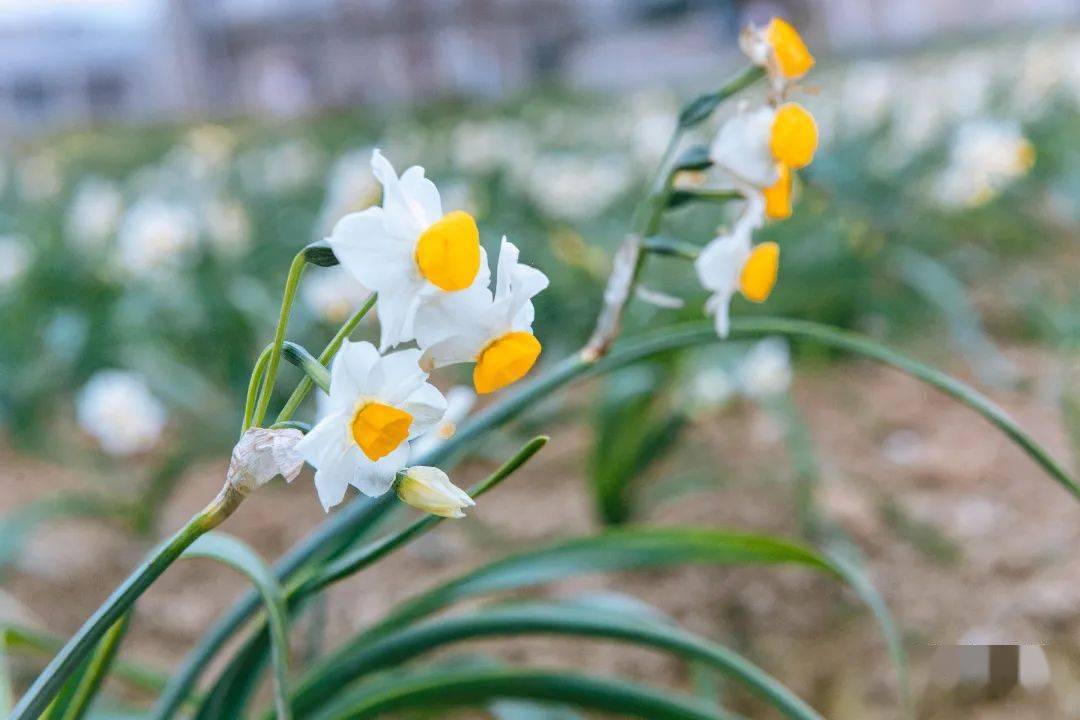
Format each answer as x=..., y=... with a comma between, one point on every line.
x=757, y=152
x=432, y=279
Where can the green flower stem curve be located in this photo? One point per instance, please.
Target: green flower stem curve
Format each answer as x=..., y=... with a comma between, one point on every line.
x=296, y=269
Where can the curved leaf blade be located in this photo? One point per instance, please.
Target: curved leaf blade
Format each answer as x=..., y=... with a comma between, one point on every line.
x=238, y=555
x=547, y=619
x=460, y=689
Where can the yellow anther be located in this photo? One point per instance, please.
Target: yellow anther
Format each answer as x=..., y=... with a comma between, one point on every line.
x=505, y=360
x=778, y=196
x=448, y=252
x=794, y=136
x=758, y=275
x=379, y=429
x=792, y=57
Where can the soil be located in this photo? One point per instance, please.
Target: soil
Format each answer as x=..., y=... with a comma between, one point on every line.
x=966, y=538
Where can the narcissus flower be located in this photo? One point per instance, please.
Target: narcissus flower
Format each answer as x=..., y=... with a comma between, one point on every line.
x=779, y=49
x=376, y=405
x=732, y=263
x=408, y=250
x=754, y=145
x=493, y=331
x=117, y=408
x=429, y=489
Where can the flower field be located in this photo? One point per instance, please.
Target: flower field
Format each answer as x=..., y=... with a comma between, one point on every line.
x=778, y=337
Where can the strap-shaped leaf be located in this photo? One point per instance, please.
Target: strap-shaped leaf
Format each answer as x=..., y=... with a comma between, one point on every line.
x=234, y=686
x=469, y=688
x=238, y=555
x=85, y=685
x=551, y=619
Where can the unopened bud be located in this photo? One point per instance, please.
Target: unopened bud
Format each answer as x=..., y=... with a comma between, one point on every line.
x=429, y=489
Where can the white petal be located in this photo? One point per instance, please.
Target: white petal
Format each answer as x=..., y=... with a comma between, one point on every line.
x=427, y=407
x=720, y=262
x=396, y=376
x=508, y=258
x=407, y=202
x=325, y=441
x=742, y=147
x=376, y=258
x=448, y=314
x=349, y=373
x=460, y=348
x=397, y=313
x=375, y=478
x=332, y=481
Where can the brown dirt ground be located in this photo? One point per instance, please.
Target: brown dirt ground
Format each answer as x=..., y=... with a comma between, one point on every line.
x=947, y=478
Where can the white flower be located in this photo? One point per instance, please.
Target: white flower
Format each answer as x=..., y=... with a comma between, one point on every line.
x=154, y=235
x=333, y=293
x=408, y=251
x=494, y=331
x=460, y=400
x=732, y=263
x=94, y=212
x=754, y=143
x=577, y=187
x=227, y=226
x=15, y=258
x=117, y=408
x=779, y=49
x=429, y=489
x=765, y=371
x=376, y=405
x=986, y=156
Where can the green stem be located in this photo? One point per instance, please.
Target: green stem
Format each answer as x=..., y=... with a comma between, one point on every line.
x=296, y=269
x=325, y=357
x=83, y=642
x=100, y=664
x=254, y=385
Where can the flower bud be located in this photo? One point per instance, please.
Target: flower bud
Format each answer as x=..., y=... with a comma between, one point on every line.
x=429, y=489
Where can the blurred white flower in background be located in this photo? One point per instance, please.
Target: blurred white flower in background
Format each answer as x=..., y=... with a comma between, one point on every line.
x=481, y=147
x=350, y=187
x=154, y=235
x=986, y=156
x=460, y=400
x=332, y=293
x=708, y=388
x=281, y=168
x=866, y=95
x=15, y=259
x=765, y=371
x=119, y=411
x=228, y=226
x=577, y=187
x=94, y=213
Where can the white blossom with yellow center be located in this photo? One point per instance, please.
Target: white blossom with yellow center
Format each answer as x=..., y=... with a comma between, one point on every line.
x=376, y=405
x=408, y=250
x=732, y=264
x=761, y=148
x=779, y=49
x=493, y=331
x=117, y=408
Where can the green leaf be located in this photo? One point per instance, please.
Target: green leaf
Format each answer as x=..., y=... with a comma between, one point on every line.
x=621, y=549
x=136, y=675
x=546, y=619
x=238, y=555
x=236, y=682
x=445, y=690
x=97, y=668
